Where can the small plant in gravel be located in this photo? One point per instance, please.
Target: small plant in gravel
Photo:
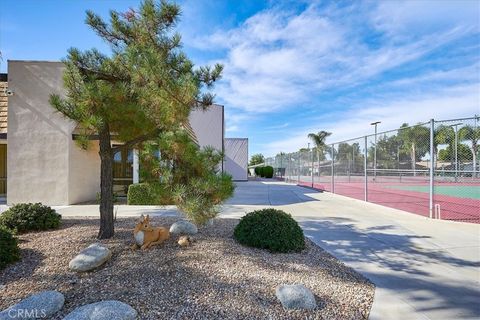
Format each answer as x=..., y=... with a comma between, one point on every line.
x=24, y=217
x=9, y=251
x=270, y=229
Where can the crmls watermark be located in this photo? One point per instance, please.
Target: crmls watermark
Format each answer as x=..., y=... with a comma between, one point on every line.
x=27, y=313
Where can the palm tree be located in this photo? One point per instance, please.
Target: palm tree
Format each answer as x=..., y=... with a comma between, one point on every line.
x=471, y=134
x=318, y=140
x=415, y=141
x=442, y=135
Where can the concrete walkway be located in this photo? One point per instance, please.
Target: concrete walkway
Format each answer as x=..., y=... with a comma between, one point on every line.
x=423, y=269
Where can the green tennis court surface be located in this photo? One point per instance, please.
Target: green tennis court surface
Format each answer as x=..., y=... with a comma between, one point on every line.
x=472, y=192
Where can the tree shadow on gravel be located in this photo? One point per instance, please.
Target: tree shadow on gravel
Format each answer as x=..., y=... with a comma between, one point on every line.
x=31, y=259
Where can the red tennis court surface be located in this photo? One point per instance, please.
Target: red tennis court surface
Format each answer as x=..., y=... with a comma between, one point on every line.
x=451, y=208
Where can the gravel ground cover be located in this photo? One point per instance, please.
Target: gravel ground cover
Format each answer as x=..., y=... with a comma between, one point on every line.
x=216, y=278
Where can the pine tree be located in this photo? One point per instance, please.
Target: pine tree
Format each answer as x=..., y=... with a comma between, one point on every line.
x=146, y=86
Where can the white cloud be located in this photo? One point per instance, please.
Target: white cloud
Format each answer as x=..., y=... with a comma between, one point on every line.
x=404, y=19
x=277, y=59
x=455, y=102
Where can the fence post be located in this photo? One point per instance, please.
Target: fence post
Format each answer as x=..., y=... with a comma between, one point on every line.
x=432, y=166
x=365, y=175
x=298, y=167
x=311, y=158
x=333, y=168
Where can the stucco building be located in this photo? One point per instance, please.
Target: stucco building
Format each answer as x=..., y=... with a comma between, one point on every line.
x=39, y=158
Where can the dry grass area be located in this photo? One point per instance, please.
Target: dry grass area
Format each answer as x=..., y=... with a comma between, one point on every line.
x=216, y=278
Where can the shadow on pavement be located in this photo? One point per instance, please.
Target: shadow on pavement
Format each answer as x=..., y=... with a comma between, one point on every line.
x=390, y=250
x=269, y=193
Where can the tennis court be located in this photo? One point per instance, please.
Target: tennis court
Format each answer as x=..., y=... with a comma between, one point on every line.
x=456, y=201
x=460, y=191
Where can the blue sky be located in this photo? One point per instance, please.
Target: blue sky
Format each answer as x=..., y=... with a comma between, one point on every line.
x=294, y=67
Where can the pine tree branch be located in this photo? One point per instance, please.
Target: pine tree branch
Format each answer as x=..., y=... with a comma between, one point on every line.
x=137, y=140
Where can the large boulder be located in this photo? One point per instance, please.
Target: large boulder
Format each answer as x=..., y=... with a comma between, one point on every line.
x=183, y=227
x=296, y=296
x=103, y=310
x=42, y=305
x=90, y=258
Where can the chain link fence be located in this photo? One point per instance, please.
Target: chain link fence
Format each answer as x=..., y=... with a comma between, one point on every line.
x=431, y=169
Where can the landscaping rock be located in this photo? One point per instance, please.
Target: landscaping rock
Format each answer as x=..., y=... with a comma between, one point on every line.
x=90, y=258
x=183, y=227
x=40, y=305
x=103, y=310
x=295, y=296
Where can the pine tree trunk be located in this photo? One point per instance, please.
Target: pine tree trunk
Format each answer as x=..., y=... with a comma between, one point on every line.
x=106, y=185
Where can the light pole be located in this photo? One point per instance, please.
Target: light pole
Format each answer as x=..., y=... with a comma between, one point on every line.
x=456, y=148
x=311, y=162
x=375, y=150
x=353, y=157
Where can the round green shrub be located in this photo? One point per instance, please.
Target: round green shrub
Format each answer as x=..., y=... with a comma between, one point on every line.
x=149, y=194
x=262, y=172
x=257, y=171
x=24, y=217
x=270, y=229
x=268, y=171
x=9, y=251
x=140, y=194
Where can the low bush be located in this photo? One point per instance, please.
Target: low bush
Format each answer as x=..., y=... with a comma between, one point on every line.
x=270, y=229
x=262, y=172
x=24, y=217
x=268, y=171
x=9, y=251
x=149, y=194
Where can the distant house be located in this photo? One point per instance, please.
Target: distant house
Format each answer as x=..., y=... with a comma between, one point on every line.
x=39, y=159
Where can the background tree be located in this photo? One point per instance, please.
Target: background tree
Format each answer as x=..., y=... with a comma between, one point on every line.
x=472, y=135
x=442, y=135
x=349, y=156
x=448, y=154
x=416, y=141
x=389, y=149
x=145, y=87
x=257, y=159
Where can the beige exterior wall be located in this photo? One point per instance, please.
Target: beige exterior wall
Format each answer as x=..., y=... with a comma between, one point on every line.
x=84, y=173
x=236, y=158
x=44, y=164
x=208, y=126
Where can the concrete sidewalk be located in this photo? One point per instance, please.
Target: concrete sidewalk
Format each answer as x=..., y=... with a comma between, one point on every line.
x=423, y=269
